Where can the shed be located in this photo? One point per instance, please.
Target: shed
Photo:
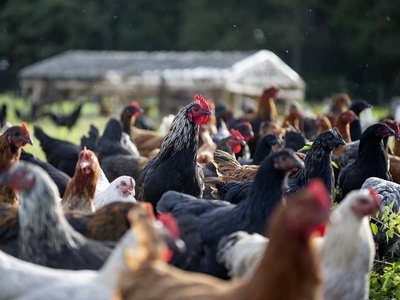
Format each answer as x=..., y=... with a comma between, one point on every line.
x=166, y=75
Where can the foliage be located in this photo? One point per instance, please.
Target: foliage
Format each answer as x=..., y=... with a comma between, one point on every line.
x=336, y=45
x=385, y=277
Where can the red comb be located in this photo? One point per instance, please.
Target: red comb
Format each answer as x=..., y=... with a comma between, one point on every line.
x=317, y=189
x=170, y=223
x=375, y=196
x=202, y=101
x=25, y=129
x=135, y=104
x=237, y=134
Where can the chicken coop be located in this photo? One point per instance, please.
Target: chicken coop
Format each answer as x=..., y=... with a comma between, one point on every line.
x=171, y=77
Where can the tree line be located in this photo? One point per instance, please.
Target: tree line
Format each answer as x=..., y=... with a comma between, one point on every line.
x=334, y=45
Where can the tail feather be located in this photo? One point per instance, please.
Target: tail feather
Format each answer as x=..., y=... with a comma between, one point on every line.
x=224, y=162
x=43, y=138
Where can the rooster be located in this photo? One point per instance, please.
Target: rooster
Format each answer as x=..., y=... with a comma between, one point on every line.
x=11, y=142
x=121, y=189
x=177, y=157
x=205, y=222
x=68, y=121
x=80, y=191
x=45, y=237
x=29, y=281
x=290, y=230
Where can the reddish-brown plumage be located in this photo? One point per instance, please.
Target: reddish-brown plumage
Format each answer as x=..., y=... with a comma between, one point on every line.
x=288, y=270
x=79, y=194
x=11, y=142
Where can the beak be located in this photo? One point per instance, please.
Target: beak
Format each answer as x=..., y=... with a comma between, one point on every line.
x=208, y=112
x=341, y=142
x=84, y=164
x=27, y=139
x=177, y=245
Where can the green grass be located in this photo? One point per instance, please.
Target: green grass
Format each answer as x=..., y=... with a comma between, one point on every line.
x=90, y=115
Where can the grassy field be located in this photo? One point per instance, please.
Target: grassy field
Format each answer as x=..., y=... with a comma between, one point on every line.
x=90, y=115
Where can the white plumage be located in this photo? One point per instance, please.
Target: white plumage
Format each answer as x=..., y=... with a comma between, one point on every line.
x=121, y=189
x=24, y=280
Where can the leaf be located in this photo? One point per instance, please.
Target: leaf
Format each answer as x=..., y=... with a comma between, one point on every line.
x=374, y=228
x=334, y=164
x=306, y=147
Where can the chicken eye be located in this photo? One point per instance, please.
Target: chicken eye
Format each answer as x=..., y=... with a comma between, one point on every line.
x=123, y=183
x=363, y=201
x=196, y=108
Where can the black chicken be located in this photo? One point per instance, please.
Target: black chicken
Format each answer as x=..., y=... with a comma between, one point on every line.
x=68, y=121
x=294, y=140
x=61, y=154
x=355, y=126
x=90, y=141
x=32, y=115
x=116, y=160
x=45, y=237
x=59, y=177
x=175, y=167
x=265, y=145
x=372, y=160
x=318, y=163
x=204, y=222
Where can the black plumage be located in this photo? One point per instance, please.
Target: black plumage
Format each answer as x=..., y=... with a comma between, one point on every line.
x=45, y=237
x=3, y=115
x=264, y=147
x=69, y=120
x=90, y=140
x=114, y=159
x=294, y=140
x=355, y=126
x=318, y=162
x=204, y=222
x=372, y=160
x=175, y=167
x=59, y=177
x=61, y=154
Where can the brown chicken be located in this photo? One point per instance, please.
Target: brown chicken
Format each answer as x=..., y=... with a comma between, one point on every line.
x=343, y=124
x=339, y=104
x=323, y=124
x=11, y=142
x=79, y=194
x=290, y=261
x=294, y=117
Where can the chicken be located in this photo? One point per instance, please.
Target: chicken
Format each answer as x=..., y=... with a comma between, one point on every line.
x=80, y=191
x=45, y=237
x=355, y=126
x=68, y=121
x=127, y=118
x=90, y=140
x=174, y=167
x=61, y=154
x=115, y=160
x=348, y=248
x=294, y=139
x=29, y=116
x=339, y=104
x=343, y=122
x=11, y=142
x=121, y=189
x=59, y=177
x=294, y=117
x=346, y=251
x=372, y=160
x=389, y=194
x=323, y=123
x=290, y=229
x=318, y=162
x=205, y=222
x=266, y=111
x=28, y=281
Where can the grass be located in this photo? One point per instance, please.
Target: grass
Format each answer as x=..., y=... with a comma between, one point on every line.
x=90, y=115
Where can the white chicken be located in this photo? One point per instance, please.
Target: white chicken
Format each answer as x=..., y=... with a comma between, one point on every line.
x=347, y=250
x=121, y=189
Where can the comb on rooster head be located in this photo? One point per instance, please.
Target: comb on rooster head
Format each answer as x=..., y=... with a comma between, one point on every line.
x=199, y=111
x=136, y=108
